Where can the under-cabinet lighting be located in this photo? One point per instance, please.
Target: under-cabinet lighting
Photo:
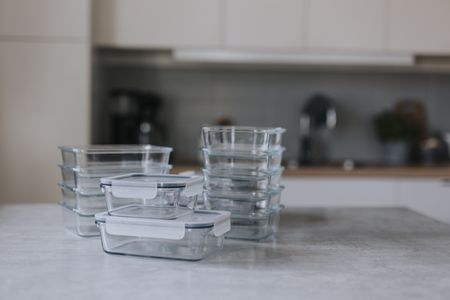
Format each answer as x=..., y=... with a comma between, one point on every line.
x=308, y=58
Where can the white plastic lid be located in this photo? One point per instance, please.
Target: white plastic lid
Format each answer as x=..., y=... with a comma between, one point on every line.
x=166, y=229
x=141, y=185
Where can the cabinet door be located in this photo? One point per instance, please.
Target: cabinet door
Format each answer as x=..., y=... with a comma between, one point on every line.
x=323, y=192
x=157, y=23
x=44, y=18
x=430, y=197
x=420, y=26
x=264, y=23
x=44, y=92
x=346, y=24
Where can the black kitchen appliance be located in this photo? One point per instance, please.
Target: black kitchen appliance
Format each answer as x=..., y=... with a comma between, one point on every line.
x=317, y=116
x=134, y=118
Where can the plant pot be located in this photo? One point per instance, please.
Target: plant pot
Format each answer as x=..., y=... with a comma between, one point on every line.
x=395, y=153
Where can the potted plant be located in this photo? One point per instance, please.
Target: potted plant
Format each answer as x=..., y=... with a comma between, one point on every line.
x=396, y=134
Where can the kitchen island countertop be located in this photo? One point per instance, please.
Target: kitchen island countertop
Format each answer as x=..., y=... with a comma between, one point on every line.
x=327, y=253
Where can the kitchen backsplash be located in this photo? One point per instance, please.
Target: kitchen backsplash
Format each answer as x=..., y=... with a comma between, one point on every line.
x=201, y=95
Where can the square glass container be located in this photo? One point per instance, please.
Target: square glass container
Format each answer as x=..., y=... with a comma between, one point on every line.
x=243, y=203
x=114, y=155
x=85, y=203
x=256, y=227
x=241, y=180
x=88, y=179
x=78, y=223
x=190, y=237
x=258, y=161
x=240, y=138
x=151, y=196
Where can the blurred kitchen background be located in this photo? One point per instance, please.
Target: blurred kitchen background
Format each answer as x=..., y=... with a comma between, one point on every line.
x=362, y=87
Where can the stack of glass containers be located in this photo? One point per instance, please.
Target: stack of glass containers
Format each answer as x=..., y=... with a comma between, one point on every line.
x=82, y=168
x=242, y=171
x=153, y=215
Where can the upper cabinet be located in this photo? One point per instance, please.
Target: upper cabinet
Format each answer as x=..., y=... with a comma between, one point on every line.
x=31, y=18
x=157, y=23
x=419, y=26
x=264, y=24
x=346, y=24
x=372, y=27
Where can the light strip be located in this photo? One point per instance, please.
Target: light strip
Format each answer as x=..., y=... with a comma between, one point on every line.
x=308, y=58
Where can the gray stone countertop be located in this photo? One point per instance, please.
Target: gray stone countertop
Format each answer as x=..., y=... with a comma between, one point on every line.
x=327, y=253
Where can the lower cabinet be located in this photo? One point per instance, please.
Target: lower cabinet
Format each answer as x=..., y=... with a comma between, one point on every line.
x=430, y=197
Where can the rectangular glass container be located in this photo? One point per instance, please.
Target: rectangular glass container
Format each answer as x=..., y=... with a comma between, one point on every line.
x=151, y=196
x=88, y=179
x=255, y=227
x=242, y=203
x=191, y=237
x=83, y=202
x=114, y=155
x=240, y=138
x=241, y=180
x=79, y=223
x=258, y=161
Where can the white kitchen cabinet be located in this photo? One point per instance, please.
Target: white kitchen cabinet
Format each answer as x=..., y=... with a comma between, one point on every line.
x=430, y=197
x=419, y=26
x=346, y=25
x=265, y=24
x=67, y=19
x=44, y=102
x=157, y=23
x=332, y=191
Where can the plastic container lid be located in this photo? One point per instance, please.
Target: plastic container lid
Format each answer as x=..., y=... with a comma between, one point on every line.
x=166, y=229
x=141, y=185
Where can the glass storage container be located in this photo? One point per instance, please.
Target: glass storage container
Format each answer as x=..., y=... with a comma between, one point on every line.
x=255, y=227
x=88, y=179
x=114, y=155
x=242, y=203
x=240, y=138
x=241, y=180
x=190, y=237
x=257, y=161
x=85, y=203
x=151, y=196
x=79, y=223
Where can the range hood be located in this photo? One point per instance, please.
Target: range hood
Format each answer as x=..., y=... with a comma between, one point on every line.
x=297, y=58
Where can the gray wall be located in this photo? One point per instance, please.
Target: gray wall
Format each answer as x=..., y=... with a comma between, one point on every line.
x=196, y=96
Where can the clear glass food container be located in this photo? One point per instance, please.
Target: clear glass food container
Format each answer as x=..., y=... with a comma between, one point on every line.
x=152, y=196
x=258, y=161
x=85, y=203
x=190, y=237
x=256, y=227
x=243, y=203
x=241, y=180
x=88, y=179
x=79, y=223
x=114, y=155
x=240, y=138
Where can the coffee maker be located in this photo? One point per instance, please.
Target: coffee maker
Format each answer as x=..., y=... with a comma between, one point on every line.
x=134, y=118
x=317, y=117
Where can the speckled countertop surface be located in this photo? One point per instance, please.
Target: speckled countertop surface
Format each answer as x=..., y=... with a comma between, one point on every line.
x=343, y=253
